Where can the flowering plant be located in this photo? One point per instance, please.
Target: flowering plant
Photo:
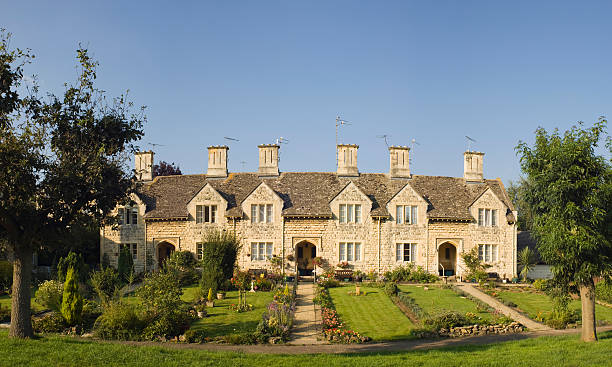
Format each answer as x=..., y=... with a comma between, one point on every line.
x=241, y=280
x=317, y=261
x=343, y=265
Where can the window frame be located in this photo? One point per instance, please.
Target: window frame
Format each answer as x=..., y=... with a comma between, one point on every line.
x=350, y=251
x=400, y=252
x=206, y=213
x=488, y=253
x=488, y=217
x=350, y=213
x=262, y=213
x=262, y=250
x=406, y=214
x=199, y=251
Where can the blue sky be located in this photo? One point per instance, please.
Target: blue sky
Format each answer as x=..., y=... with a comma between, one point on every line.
x=258, y=70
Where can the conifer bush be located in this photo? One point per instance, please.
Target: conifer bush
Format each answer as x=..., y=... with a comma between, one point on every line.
x=125, y=264
x=72, y=302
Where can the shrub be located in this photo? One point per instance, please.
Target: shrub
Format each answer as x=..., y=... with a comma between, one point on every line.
x=167, y=325
x=476, y=268
x=210, y=295
x=74, y=261
x=6, y=276
x=411, y=304
x=242, y=338
x=160, y=293
x=5, y=314
x=118, y=322
x=50, y=294
x=391, y=289
x=399, y=274
x=52, y=322
x=278, y=317
x=91, y=312
x=72, y=302
x=196, y=336
x=446, y=320
x=183, y=264
x=420, y=275
x=106, y=284
x=322, y=298
x=125, y=264
x=603, y=291
x=219, y=254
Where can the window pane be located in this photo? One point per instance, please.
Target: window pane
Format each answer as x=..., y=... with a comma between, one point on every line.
x=413, y=218
x=357, y=213
x=253, y=213
x=406, y=252
x=481, y=252
x=398, y=214
x=134, y=250
x=494, y=253
x=357, y=252
x=213, y=213
x=120, y=215
x=494, y=217
x=262, y=213
x=206, y=214
x=268, y=250
x=269, y=213
x=349, y=251
x=398, y=252
x=262, y=251
x=342, y=213
x=487, y=217
x=413, y=251
x=487, y=253
x=253, y=251
x=480, y=217
x=134, y=215
x=342, y=251
x=349, y=213
x=407, y=219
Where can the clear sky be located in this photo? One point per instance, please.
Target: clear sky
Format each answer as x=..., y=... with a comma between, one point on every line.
x=433, y=71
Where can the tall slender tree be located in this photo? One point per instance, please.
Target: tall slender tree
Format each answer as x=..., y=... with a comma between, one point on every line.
x=570, y=197
x=62, y=162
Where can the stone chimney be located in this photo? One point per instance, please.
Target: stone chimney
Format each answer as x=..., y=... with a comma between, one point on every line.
x=472, y=166
x=347, y=160
x=217, y=161
x=143, y=164
x=399, y=167
x=268, y=160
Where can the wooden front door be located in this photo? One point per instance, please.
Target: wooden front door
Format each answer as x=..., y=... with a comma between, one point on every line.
x=306, y=251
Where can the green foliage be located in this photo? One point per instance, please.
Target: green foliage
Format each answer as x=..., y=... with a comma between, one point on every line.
x=74, y=261
x=242, y=338
x=52, y=322
x=476, y=268
x=391, y=289
x=183, y=265
x=446, y=320
x=5, y=314
x=411, y=304
x=106, y=284
x=6, y=276
x=410, y=273
x=72, y=301
x=50, y=294
x=219, y=254
x=118, y=322
x=210, y=297
x=517, y=192
x=603, y=291
x=125, y=264
x=196, y=336
x=541, y=284
x=527, y=259
x=570, y=195
x=168, y=325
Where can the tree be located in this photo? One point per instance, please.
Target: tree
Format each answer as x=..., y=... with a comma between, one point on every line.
x=527, y=259
x=516, y=191
x=476, y=268
x=166, y=169
x=219, y=252
x=570, y=196
x=62, y=162
x=72, y=302
x=125, y=264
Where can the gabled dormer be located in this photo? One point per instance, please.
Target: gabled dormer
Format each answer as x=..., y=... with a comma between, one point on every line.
x=351, y=205
x=408, y=207
x=488, y=210
x=207, y=206
x=263, y=205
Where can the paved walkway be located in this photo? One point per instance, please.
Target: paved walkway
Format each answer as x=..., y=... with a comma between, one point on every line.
x=307, y=317
x=516, y=316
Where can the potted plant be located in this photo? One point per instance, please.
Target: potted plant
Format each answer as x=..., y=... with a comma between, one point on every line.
x=290, y=257
x=317, y=261
x=201, y=310
x=357, y=289
x=220, y=295
x=210, y=301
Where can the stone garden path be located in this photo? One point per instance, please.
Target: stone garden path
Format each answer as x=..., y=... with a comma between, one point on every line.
x=516, y=316
x=307, y=317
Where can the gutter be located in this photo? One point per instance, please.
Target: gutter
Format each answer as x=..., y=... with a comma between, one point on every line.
x=379, y=244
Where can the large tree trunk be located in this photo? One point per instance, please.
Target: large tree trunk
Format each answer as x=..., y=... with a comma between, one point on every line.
x=587, y=296
x=21, y=319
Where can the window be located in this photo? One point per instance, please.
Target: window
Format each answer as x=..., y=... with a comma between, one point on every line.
x=261, y=251
x=350, y=213
x=487, y=253
x=487, y=217
x=405, y=252
x=349, y=251
x=133, y=247
x=406, y=214
x=262, y=213
x=128, y=215
x=206, y=213
x=199, y=250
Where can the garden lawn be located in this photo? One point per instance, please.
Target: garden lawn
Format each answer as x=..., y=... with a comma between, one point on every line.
x=533, y=303
x=436, y=300
x=5, y=302
x=67, y=351
x=373, y=315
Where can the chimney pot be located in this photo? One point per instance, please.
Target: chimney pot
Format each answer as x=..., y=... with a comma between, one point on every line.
x=472, y=166
x=143, y=164
x=268, y=160
x=399, y=164
x=217, y=161
x=347, y=160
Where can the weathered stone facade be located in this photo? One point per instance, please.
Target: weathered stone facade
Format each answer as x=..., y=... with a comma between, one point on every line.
x=444, y=228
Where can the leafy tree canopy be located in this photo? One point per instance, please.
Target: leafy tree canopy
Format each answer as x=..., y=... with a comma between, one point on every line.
x=166, y=169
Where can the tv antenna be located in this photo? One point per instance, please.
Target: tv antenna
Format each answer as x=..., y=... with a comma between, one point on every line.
x=230, y=138
x=243, y=163
x=412, y=142
x=339, y=122
x=282, y=140
x=469, y=142
x=384, y=137
x=156, y=145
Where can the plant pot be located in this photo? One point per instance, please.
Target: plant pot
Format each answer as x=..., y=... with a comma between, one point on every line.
x=201, y=314
x=220, y=295
x=210, y=303
x=357, y=290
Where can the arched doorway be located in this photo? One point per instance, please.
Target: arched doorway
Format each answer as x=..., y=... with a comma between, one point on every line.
x=305, y=251
x=164, y=249
x=447, y=259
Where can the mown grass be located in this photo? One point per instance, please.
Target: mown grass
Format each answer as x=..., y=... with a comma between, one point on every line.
x=436, y=300
x=221, y=320
x=533, y=303
x=5, y=302
x=373, y=315
x=543, y=351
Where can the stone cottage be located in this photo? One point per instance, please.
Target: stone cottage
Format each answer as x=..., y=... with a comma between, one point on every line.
x=372, y=221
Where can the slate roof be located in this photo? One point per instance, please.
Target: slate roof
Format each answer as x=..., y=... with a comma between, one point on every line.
x=309, y=193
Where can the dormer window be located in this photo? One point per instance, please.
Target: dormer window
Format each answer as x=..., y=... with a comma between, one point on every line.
x=128, y=215
x=487, y=217
x=406, y=214
x=350, y=213
x=262, y=213
x=206, y=213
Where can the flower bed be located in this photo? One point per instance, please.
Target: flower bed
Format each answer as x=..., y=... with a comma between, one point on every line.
x=333, y=329
x=278, y=318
